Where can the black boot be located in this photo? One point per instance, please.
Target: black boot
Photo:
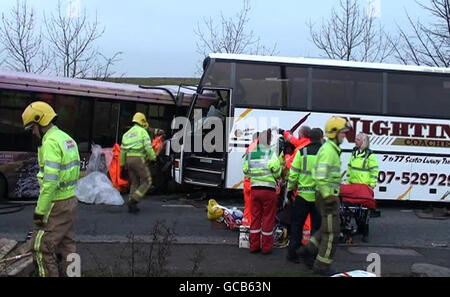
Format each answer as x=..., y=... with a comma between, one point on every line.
x=132, y=206
x=307, y=256
x=292, y=257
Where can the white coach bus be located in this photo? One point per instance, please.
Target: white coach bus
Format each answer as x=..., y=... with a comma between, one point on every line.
x=404, y=109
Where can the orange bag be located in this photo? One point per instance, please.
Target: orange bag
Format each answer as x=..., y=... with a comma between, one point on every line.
x=157, y=144
x=114, y=171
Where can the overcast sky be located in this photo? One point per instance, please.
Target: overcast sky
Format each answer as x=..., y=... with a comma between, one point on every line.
x=158, y=40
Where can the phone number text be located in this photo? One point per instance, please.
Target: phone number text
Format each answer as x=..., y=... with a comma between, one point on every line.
x=414, y=178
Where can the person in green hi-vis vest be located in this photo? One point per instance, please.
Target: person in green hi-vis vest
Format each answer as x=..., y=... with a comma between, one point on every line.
x=319, y=251
x=59, y=170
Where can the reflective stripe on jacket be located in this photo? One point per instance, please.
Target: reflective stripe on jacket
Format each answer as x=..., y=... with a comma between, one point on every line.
x=136, y=143
x=59, y=162
x=263, y=167
x=362, y=168
x=301, y=175
x=327, y=173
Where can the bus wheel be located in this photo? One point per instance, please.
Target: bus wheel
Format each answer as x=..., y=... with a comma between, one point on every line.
x=3, y=188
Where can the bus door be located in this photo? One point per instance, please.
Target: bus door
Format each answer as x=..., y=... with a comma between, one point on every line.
x=203, y=155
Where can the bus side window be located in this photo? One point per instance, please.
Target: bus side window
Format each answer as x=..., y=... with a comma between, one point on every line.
x=74, y=117
x=84, y=124
x=259, y=85
x=105, y=123
x=347, y=91
x=412, y=90
x=13, y=137
x=297, y=86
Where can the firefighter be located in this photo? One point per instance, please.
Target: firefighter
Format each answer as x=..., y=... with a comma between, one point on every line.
x=300, y=178
x=262, y=166
x=327, y=176
x=136, y=150
x=363, y=169
x=59, y=169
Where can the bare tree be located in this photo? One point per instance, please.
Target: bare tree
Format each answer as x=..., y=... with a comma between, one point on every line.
x=21, y=41
x=427, y=44
x=103, y=70
x=352, y=34
x=72, y=39
x=231, y=35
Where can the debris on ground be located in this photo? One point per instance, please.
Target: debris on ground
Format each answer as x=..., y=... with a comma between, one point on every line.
x=15, y=258
x=231, y=217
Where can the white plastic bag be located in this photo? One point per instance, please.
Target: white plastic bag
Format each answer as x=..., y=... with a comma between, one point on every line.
x=96, y=188
x=108, y=156
x=99, y=160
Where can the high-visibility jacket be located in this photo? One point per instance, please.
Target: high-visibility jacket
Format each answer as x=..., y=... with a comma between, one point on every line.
x=59, y=169
x=301, y=173
x=263, y=167
x=136, y=143
x=327, y=173
x=362, y=168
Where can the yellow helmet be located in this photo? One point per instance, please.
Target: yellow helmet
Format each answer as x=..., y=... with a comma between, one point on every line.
x=335, y=125
x=139, y=118
x=38, y=112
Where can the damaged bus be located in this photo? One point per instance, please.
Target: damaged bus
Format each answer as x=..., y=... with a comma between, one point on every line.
x=92, y=112
x=403, y=109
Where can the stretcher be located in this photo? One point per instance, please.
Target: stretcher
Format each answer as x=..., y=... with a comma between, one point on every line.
x=357, y=201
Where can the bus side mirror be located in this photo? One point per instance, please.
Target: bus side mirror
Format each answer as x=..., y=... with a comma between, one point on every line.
x=180, y=99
